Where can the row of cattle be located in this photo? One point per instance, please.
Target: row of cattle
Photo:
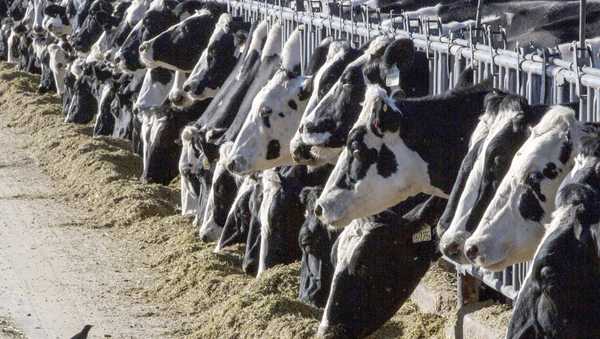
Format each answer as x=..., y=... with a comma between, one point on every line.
x=348, y=167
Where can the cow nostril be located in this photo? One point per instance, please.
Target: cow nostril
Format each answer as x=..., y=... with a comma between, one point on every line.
x=187, y=88
x=318, y=210
x=204, y=238
x=117, y=59
x=472, y=252
x=143, y=47
x=451, y=250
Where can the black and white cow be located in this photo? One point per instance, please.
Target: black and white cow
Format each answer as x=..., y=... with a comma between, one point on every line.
x=239, y=217
x=560, y=296
x=263, y=141
x=394, y=65
x=155, y=20
x=216, y=63
x=222, y=117
x=363, y=295
x=400, y=148
x=282, y=213
x=316, y=241
x=91, y=28
x=56, y=21
x=513, y=223
x=339, y=55
x=179, y=47
x=222, y=194
x=509, y=130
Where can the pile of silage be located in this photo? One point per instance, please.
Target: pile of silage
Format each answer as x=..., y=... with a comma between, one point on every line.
x=217, y=300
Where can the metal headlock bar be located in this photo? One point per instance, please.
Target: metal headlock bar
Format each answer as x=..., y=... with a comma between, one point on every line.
x=540, y=76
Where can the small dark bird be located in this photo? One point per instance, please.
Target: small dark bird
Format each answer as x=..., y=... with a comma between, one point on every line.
x=83, y=334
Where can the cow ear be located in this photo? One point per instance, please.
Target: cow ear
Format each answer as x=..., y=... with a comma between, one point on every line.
x=400, y=52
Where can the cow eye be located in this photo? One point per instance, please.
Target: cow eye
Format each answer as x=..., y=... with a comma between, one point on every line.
x=355, y=149
x=265, y=112
x=281, y=114
x=59, y=65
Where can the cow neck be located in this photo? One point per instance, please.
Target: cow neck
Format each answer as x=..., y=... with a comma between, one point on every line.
x=439, y=129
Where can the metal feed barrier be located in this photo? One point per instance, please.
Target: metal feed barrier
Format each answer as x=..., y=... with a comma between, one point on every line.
x=539, y=76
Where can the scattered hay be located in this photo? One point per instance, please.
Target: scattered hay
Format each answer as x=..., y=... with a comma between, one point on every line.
x=9, y=331
x=208, y=291
x=495, y=315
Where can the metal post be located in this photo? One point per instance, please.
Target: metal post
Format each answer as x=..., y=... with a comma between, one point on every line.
x=478, y=19
x=582, y=21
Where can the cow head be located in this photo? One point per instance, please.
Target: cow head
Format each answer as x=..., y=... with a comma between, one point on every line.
x=179, y=47
x=155, y=21
x=190, y=165
x=38, y=16
x=373, y=159
x=513, y=223
x=263, y=141
x=220, y=198
x=339, y=55
x=155, y=89
x=316, y=241
x=217, y=60
x=390, y=151
x=56, y=21
x=92, y=26
x=559, y=298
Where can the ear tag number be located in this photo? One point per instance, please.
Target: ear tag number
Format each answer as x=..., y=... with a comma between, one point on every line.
x=392, y=77
x=423, y=235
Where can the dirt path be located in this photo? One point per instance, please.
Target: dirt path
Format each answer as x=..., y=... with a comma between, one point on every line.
x=57, y=273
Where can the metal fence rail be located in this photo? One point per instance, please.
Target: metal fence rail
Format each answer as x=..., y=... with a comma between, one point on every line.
x=540, y=76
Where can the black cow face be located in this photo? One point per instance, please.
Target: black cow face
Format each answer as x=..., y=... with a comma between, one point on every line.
x=281, y=216
x=316, y=241
x=159, y=132
x=179, y=47
x=239, y=217
x=222, y=195
x=363, y=296
x=154, y=22
x=216, y=62
x=83, y=104
x=336, y=113
x=91, y=29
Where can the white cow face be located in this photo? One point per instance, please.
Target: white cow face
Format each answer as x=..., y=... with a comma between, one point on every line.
x=59, y=64
x=38, y=16
x=176, y=95
x=264, y=140
x=191, y=162
x=155, y=89
x=375, y=171
x=513, y=223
